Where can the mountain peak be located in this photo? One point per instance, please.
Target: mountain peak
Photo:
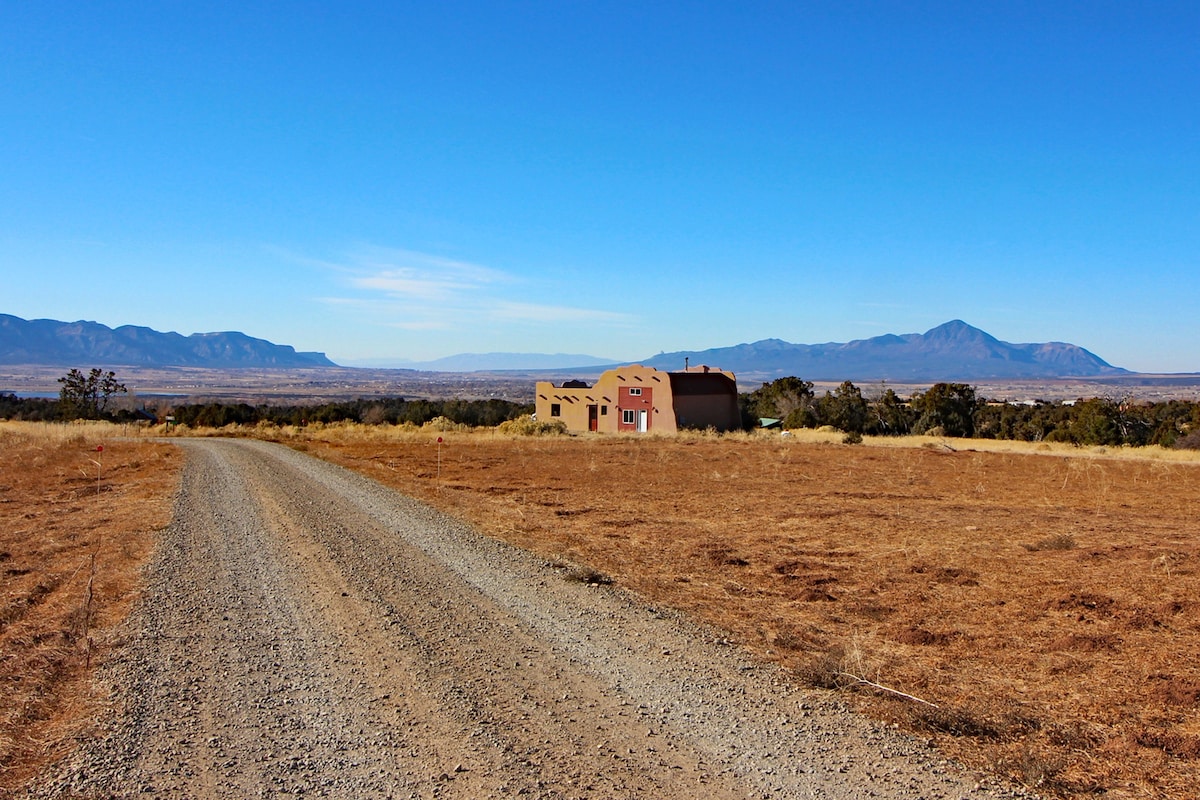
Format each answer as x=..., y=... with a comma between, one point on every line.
x=957, y=330
x=953, y=350
x=952, y=325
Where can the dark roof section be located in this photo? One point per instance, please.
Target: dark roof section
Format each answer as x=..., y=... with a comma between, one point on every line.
x=694, y=383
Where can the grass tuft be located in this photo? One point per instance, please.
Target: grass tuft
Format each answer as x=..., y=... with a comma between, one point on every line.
x=1059, y=541
x=1034, y=767
x=581, y=573
x=957, y=721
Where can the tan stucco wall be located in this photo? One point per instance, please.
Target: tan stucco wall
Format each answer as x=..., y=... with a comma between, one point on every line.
x=574, y=403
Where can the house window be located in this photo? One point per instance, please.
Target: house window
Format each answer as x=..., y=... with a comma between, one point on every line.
x=635, y=391
x=556, y=409
x=627, y=416
x=604, y=411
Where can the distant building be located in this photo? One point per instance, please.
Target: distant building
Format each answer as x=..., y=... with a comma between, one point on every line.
x=637, y=399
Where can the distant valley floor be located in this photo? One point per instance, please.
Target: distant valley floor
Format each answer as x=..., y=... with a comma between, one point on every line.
x=313, y=385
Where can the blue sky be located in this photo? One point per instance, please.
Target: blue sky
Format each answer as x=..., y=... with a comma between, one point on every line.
x=412, y=180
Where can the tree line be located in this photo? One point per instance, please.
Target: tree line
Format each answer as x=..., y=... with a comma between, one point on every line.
x=371, y=411
x=955, y=410
x=944, y=409
x=88, y=397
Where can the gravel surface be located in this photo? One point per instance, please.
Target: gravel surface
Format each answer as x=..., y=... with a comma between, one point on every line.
x=306, y=631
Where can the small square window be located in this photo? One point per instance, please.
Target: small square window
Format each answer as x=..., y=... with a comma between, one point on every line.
x=604, y=411
x=635, y=391
x=556, y=409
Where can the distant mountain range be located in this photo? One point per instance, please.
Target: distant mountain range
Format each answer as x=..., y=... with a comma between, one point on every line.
x=86, y=344
x=951, y=351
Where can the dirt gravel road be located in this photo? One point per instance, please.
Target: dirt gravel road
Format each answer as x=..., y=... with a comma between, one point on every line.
x=306, y=631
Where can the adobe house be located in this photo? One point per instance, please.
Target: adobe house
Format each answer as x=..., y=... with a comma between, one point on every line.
x=637, y=399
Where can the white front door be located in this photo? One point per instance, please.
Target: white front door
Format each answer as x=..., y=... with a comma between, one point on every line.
x=641, y=422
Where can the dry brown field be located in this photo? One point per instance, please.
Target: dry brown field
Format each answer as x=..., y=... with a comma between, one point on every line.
x=1033, y=613
x=76, y=524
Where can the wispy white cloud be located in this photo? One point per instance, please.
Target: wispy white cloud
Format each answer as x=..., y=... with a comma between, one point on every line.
x=407, y=274
x=421, y=325
x=410, y=284
x=415, y=291
x=368, y=261
x=533, y=312
x=394, y=314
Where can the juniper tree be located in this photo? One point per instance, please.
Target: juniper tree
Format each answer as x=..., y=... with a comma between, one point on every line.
x=86, y=396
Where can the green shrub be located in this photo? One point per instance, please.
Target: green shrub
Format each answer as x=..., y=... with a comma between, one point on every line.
x=444, y=424
x=526, y=425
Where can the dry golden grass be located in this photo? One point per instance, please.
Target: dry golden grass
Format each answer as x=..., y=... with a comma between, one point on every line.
x=1047, y=602
x=74, y=522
